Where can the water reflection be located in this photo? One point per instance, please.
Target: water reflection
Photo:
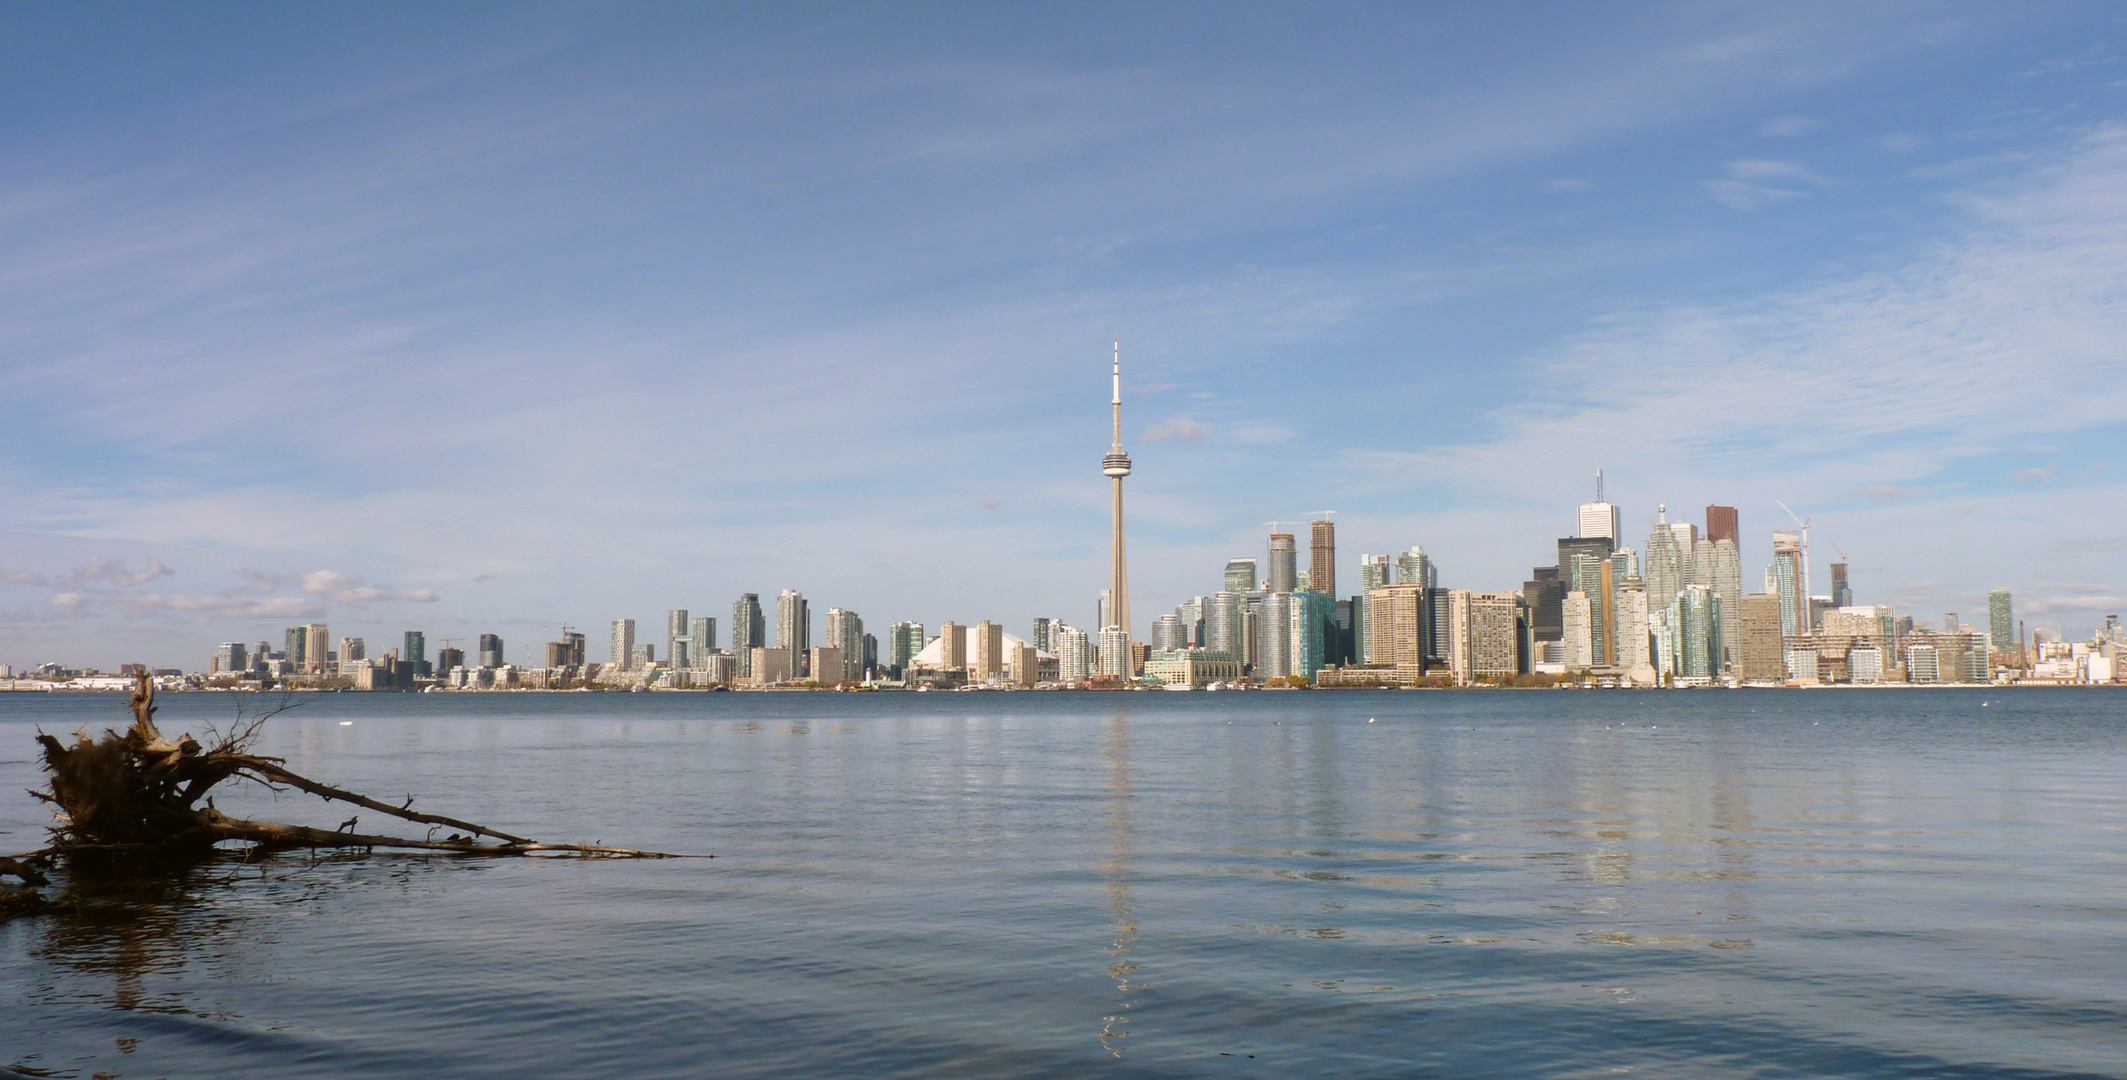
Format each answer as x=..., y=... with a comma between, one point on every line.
x=131, y=925
x=1115, y=879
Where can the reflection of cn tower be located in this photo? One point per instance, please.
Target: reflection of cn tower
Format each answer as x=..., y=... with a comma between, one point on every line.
x=1116, y=466
x=1115, y=881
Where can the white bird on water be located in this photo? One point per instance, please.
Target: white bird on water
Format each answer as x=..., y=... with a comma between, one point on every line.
x=346, y=723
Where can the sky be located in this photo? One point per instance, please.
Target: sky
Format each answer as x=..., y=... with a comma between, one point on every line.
x=498, y=318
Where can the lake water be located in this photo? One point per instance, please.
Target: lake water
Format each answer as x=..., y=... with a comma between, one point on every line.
x=1510, y=884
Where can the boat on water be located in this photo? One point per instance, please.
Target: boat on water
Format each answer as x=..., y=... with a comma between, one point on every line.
x=1177, y=686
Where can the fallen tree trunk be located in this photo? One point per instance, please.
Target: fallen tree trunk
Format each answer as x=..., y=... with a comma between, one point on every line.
x=137, y=793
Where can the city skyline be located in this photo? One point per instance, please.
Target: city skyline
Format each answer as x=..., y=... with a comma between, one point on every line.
x=533, y=322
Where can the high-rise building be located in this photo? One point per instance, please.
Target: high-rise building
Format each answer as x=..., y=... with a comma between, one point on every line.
x=1842, y=594
x=701, y=641
x=1116, y=466
x=1728, y=589
x=678, y=645
x=1579, y=631
x=1322, y=569
x=415, y=652
x=1274, y=634
x=793, y=626
x=1599, y=519
x=1312, y=623
x=1695, y=615
x=952, y=646
x=1760, y=652
x=1222, y=623
x=624, y=644
x=353, y=648
x=1413, y=567
x=1486, y=635
x=2001, y=621
x=1115, y=659
x=749, y=630
x=1045, y=633
x=904, y=641
x=1283, y=566
x=1167, y=633
x=1241, y=575
x=1635, y=655
x=1663, y=566
x=230, y=657
x=869, y=667
x=825, y=663
x=1074, y=654
x=1376, y=572
x=845, y=634
x=317, y=646
x=491, y=651
x=1192, y=613
x=1395, y=629
x=1721, y=524
x=1584, y=564
x=1787, y=582
x=988, y=661
x=1024, y=663
x=1546, y=597
x=295, y=644
x=449, y=659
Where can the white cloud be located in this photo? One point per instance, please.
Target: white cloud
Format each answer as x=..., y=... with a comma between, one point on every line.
x=1755, y=182
x=98, y=571
x=1787, y=127
x=1176, y=427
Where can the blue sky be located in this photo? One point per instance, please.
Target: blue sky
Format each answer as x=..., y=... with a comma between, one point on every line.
x=492, y=318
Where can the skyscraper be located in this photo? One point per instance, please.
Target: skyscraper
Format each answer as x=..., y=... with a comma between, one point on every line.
x=1787, y=584
x=1842, y=595
x=904, y=641
x=1728, y=589
x=1663, y=566
x=701, y=641
x=624, y=644
x=845, y=633
x=317, y=644
x=987, y=663
x=1599, y=518
x=1322, y=569
x=415, y=652
x=678, y=646
x=295, y=645
x=1284, y=571
x=1376, y=572
x=490, y=651
x=1167, y=632
x=1116, y=466
x=2001, y=621
x=749, y=630
x=793, y=626
x=1044, y=638
x=1413, y=567
x=1222, y=623
x=952, y=646
x=1274, y=636
x=1241, y=575
x=1721, y=524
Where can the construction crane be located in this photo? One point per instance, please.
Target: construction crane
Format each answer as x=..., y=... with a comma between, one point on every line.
x=1322, y=513
x=1804, y=522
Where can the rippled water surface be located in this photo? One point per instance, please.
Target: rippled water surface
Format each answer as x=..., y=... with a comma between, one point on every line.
x=1746, y=883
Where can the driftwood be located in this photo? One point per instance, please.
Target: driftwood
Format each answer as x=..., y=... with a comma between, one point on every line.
x=137, y=793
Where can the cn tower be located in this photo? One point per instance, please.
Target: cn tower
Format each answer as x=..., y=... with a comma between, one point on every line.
x=1117, y=465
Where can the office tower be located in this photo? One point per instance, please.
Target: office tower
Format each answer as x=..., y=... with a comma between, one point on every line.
x=1599, y=519
x=2001, y=621
x=1116, y=466
x=1044, y=638
x=903, y=641
x=793, y=627
x=317, y=643
x=749, y=630
x=701, y=640
x=1584, y=564
x=1105, y=607
x=1376, y=572
x=845, y=633
x=1721, y=524
x=1579, y=636
x=987, y=646
x=230, y=657
x=952, y=646
x=1787, y=584
x=1437, y=607
x=1074, y=654
x=1486, y=635
x=1274, y=634
x=1414, y=568
x=1349, y=620
x=353, y=648
x=415, y=652
x=1222, y=624
x=1322, y=569
x=1634, y=649
x=869, y=667
x=1192, y=613
x=490, y=651
x=1312, y=623
x=1546, y=596
x=1728, y=589
x=557, y=655
x=1167, y=633
x=1663, y=566
x=678, y=647
x=624, y=644
x=1114, y=653
x=1695, y=615
x=1241, y=575
x=449, y=659
x=1842, y=595
x=1283, y=566
x=295, y=645
x=1395, y=629
x=1759, y=650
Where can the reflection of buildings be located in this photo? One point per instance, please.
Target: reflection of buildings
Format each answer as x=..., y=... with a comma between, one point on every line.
x=1115, y=879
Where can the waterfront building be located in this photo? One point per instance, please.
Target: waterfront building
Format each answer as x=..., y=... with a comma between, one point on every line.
x=1167, y=633
x=2001, y=621
x=1274, y=636
x=1395, y=630
x=645, y=657
x=701, y=640
x=1634, y=646
x=1842, y=595
x=1312, y=622
x=1322, y=568
x=749, y=630
x=1865, y=663
x=1045, y=633
x=1921, y=664
x=1116, y=660
x=1579, y=639
x=952, y=646
x=449, y=658
x=1787, y=581
x=1282, y=564
x=1695, y=614
x=1727, y=581
x=1023, y=664
x=1192, y=667
x=623, y=644
x=1414, y=567
x=1241, y=575
x=793, y=626
x=903, y=641
x=353, y=648
x=1487, y=636
x=414, y=650
x=1222, y=623
x=1074, y=654
x=678, y=646
x=490, y=651
x=317, y=646
x=845, y=633
x=988, y=640
x=1116, y=466
x=717, y=669
x=1758, y=649
x=294, y=644
x=824, y=663
x=769, y=666
x=230, y=658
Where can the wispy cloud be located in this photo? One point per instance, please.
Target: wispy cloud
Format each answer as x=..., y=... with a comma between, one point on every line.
x=1176, y=427
x=98, y=571
x=1787, y=127
x=1756, y=182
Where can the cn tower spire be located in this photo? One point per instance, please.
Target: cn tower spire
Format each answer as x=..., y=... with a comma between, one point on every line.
x=1116, y=466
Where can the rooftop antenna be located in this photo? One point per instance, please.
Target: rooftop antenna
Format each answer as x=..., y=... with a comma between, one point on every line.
x=1804, y=522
